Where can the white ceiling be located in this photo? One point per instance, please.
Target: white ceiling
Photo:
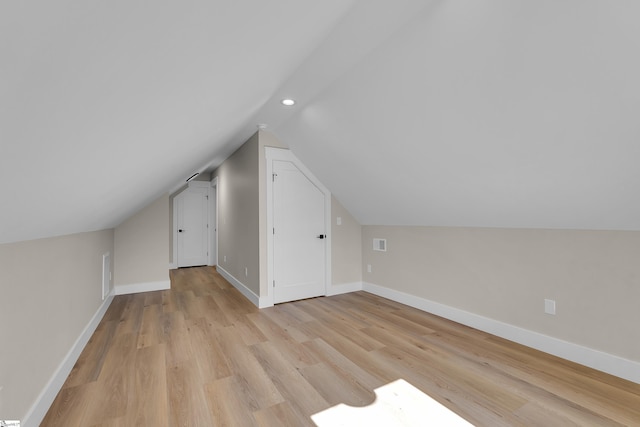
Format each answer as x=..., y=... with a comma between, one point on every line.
x=473, y=113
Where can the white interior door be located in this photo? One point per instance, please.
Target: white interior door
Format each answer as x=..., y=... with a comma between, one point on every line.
x=192, y=234
x=299, y=235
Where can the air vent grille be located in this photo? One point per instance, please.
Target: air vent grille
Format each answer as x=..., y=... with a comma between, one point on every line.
x=380, y=245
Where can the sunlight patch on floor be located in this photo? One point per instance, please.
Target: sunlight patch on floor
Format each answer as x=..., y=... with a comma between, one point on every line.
x=397, y=404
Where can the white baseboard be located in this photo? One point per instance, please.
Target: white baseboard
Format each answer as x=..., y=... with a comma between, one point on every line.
x=605, y=362
x=173, y=266
x=135, y=288
x=248, y=293
x=39, y=409
x=344, y=288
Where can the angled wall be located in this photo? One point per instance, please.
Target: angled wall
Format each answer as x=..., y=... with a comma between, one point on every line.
x=50, y=289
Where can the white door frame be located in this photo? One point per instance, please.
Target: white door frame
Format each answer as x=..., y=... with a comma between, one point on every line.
x=213, y=222
x=282, y=154
x=191, y=184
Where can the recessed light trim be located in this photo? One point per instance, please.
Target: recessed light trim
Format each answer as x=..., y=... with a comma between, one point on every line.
x=288, y=102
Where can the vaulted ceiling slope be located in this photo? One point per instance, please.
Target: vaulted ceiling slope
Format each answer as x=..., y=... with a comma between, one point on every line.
x=444, y=112
x=105, y=105
x=493, y=113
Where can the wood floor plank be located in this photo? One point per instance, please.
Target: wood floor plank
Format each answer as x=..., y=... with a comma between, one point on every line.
x=176, y=336
x=257, y=388
x=186, y=397
x=201, y=354
x=148, y=405
x=227, y=404
x=71, y=406
x=89, y=365
x=291, y=349
x=211, y=360
x=131, y=316
x=335, y=388
x=281, y=414
x=151, y=327
x=292, y=386
x=359, y=369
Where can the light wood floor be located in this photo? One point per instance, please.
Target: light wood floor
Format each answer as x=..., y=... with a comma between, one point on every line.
x=202, y=355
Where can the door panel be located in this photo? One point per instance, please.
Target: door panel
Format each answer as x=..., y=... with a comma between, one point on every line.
x=298, y=219
x=192, y=233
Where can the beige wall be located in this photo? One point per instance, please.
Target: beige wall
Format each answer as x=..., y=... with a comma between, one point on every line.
x=238, y=215
x=49, y=291
x=142, y=246
x=346, y=246
x=505, y=274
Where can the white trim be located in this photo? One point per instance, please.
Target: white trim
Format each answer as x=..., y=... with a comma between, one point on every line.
x=605, y=362
x=40, y=407
x=174, y=231
x=135, y=288
x=173, y=266
x=344, y=288
x=198, y=184
x=213, y=222
x=244, y=290
x=271, y=154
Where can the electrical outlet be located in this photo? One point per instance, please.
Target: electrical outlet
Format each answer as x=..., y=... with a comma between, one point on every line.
x=339, y=221
x=246, y=272
x=550, y=306
x=225, y=258
x=368, y=268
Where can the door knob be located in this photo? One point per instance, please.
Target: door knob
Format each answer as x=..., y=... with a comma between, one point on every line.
x=322, y=236
x=180, y=231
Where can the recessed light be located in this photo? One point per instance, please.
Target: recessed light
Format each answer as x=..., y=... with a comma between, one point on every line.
x=288, y=102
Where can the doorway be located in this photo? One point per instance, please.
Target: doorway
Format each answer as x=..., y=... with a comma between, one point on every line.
x=191, y=225
x=298, y=216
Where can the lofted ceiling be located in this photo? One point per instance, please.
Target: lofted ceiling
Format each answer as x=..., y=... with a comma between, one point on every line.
x=493, y=113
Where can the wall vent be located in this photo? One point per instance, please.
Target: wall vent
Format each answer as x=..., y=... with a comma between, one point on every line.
x=380, y=245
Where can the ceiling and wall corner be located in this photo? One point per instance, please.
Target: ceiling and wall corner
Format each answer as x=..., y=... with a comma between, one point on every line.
x=496, y=113
x=114, y=103
x=490, y=113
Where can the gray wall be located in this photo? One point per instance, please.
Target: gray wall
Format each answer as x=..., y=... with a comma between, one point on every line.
x=238, y=215
x=505, y=274
x=49, y=291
